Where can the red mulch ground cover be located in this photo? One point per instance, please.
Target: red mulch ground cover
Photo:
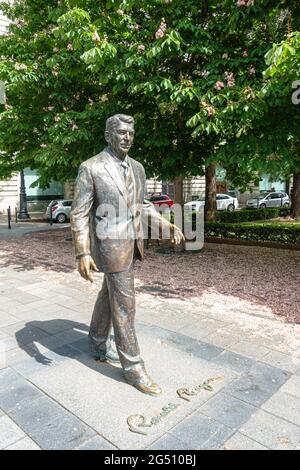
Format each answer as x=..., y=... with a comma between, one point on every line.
x=265, y=276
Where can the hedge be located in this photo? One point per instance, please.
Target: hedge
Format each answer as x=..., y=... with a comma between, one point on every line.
x=249, y=215
x=283, y=233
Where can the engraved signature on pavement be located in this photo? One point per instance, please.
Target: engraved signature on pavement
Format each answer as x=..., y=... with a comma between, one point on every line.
x=185, y=393
x=136, y=423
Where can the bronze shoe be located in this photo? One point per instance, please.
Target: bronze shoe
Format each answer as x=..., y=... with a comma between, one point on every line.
x=109, y=356
x=144, y=384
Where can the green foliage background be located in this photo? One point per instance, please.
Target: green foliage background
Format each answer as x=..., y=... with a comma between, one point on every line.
x=70, y=64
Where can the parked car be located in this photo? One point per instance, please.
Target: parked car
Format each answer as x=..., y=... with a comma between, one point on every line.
x=224, y=202
x=274, y=199
x=159, y=199
x=233, y=193
x=263, y=192
x=60, y=210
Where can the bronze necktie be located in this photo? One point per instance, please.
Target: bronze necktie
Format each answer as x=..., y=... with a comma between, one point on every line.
x=128, y=178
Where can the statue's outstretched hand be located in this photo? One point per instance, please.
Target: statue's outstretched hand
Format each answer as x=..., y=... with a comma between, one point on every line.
x=177, y=235
x=86, y=264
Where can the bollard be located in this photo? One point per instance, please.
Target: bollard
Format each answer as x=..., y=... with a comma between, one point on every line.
x=51, y=220
x=149, y=231
x=16, y=214
x=9, y=217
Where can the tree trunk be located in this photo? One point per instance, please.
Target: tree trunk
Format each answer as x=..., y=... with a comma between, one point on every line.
x=178, y=199
x=178, y=190
x=210, y=192
x=296, y=196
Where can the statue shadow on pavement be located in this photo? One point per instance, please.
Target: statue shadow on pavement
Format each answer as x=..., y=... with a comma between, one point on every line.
x=51, y=342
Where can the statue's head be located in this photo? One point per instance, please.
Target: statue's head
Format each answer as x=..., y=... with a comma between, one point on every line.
x=119, y=134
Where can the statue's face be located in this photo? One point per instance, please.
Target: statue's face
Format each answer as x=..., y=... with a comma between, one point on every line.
x=121, y=138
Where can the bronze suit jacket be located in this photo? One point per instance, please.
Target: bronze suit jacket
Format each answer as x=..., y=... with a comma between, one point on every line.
x=107, y=222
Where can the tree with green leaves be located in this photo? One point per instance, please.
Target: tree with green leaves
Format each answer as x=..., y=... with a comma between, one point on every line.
x=271, y=142
x=189, y=73
x=283, y=96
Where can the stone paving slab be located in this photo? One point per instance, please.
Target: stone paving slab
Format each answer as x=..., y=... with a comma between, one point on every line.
x=17, y=395
x=49, y=424
x=285, y=406
x=18, y=354
x=2, y=333
x=254, y=351
x=49, y=359
x=256, y=386
x=6, y=319
x=228, y=410
x=240, y=442
x=234, y=361
x=19, y=229
x=200, y=432
x=169, y=441
x=14, y=307
x=8, y=378
x=284, y=361
x=54, y=395
x=25, y=333
x=9, y=432
x=62, y=434
x=96, y=443
x=222, y=339
x=22, y=297
x=7, y=343
x=23, y=444
x=272, y=431
x=292, y=386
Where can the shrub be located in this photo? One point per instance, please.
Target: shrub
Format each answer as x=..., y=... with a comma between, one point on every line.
x=249, y=215
x=283, y=233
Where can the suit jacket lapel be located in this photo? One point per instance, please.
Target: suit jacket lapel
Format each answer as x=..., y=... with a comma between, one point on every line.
x=111, y=167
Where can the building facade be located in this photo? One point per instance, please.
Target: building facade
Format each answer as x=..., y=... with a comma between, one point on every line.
x=192, y=188
x=9, y=190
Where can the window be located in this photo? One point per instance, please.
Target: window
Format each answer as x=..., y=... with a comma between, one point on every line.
x=155, y=198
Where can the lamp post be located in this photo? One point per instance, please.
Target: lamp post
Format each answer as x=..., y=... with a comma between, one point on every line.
x=23, y=212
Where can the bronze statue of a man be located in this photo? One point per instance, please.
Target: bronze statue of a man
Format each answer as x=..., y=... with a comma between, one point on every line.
x=107, y=225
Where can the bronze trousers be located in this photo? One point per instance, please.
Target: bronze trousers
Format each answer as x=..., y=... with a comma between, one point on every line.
x=115, y=310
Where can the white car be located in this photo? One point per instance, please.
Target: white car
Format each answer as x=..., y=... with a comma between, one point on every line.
x=273, y=199
x=224, y=203
x=60, y=211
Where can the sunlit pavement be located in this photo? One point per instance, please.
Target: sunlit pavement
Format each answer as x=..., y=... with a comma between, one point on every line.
x=53, y=395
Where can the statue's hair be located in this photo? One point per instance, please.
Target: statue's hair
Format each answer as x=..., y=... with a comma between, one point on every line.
x=113, y=121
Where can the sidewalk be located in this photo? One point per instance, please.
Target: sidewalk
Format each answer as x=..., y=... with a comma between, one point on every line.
x=53, y=395
x=21, y=228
